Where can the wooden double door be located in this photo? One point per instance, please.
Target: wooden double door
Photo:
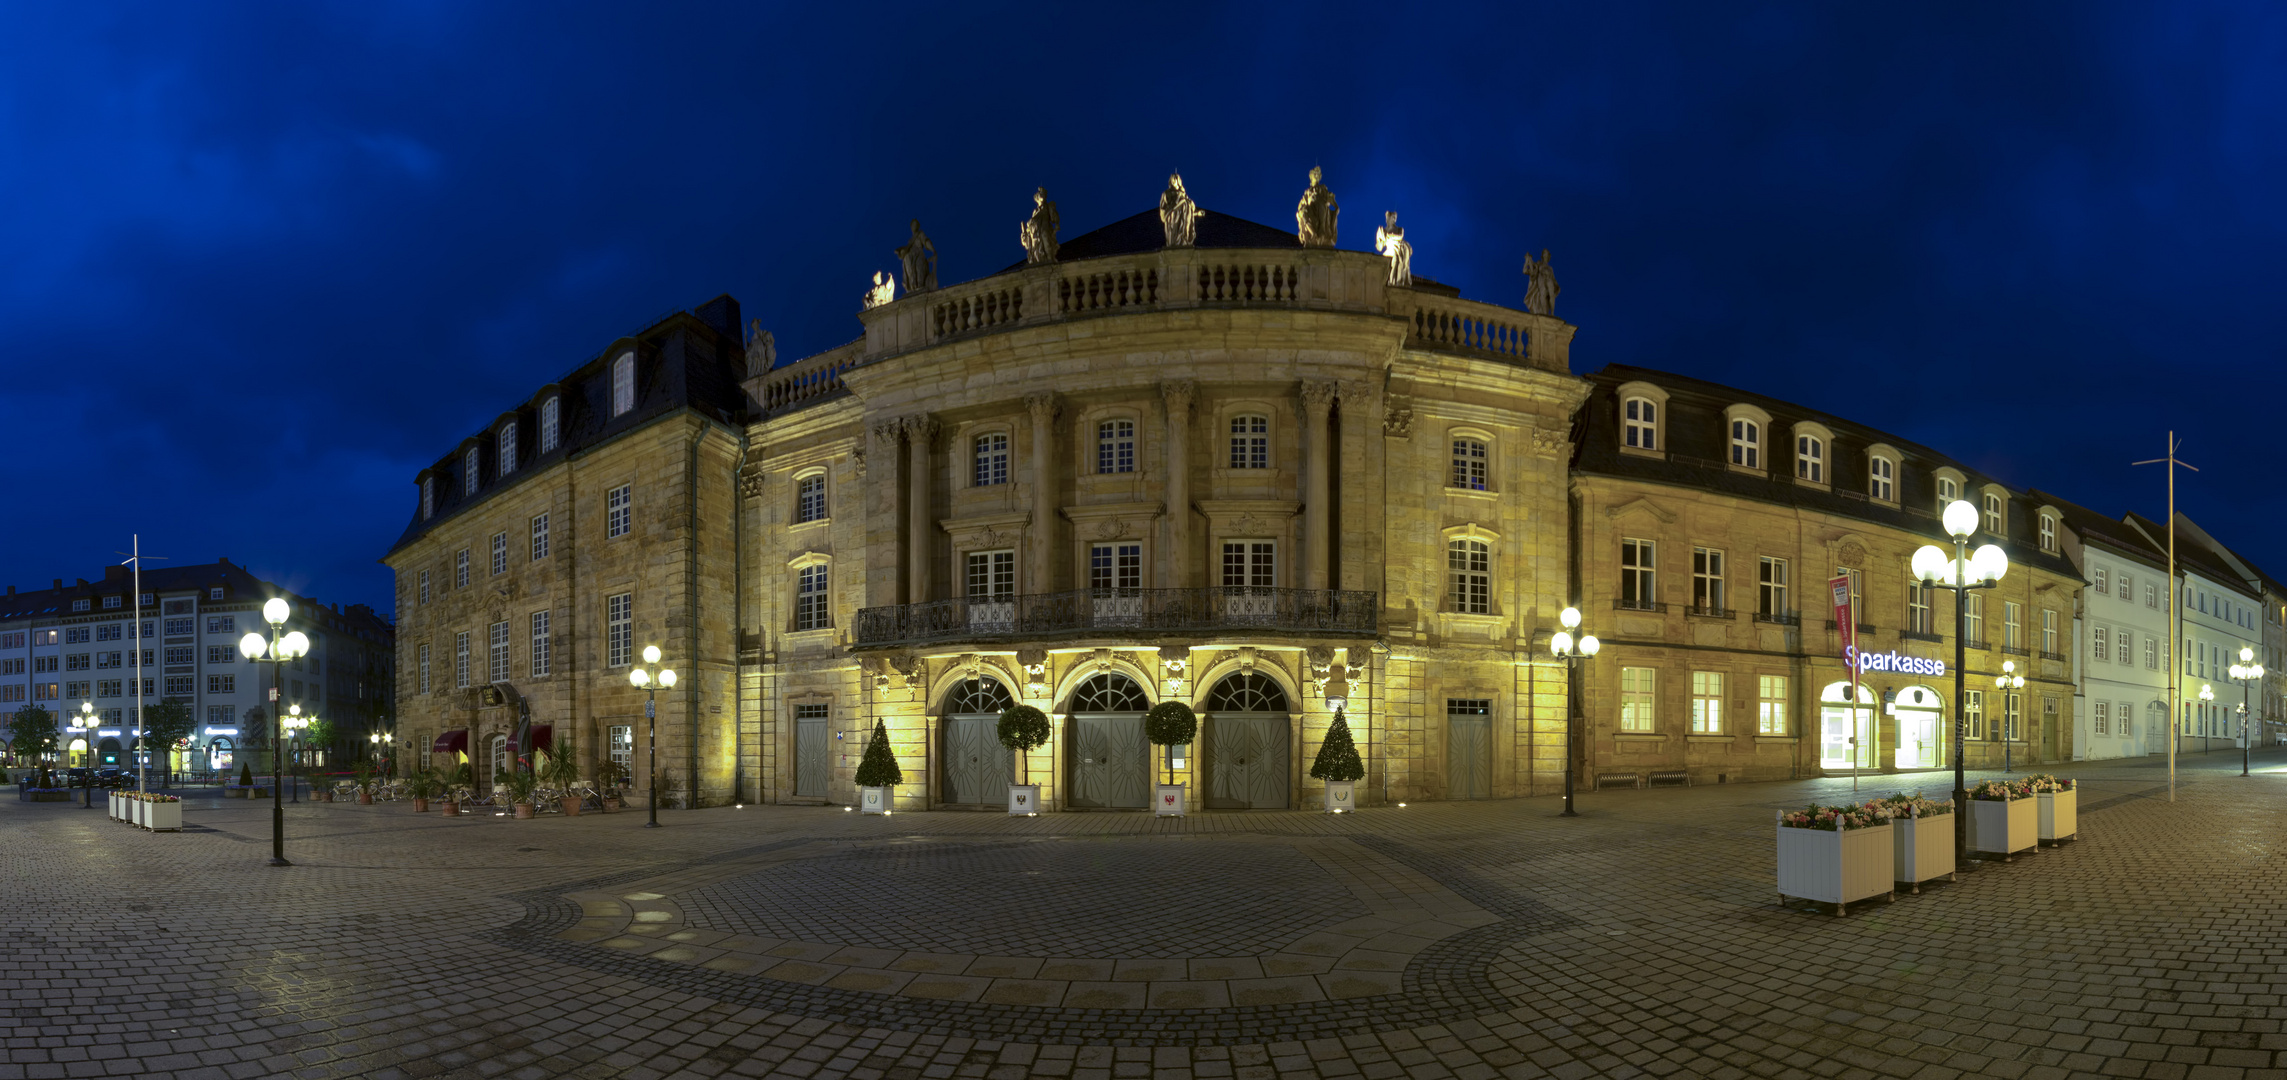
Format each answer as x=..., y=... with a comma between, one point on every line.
x=978, y=769
x=1248, y=761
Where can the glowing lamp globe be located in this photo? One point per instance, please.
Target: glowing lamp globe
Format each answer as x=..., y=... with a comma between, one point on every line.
x=274, y=611
x=1960, y=518
x=1560, y=643
x=252, y=646
x=296, y=645
x=639, y=677
x=1570, y=617
x=1929, y=563
x=666, y=676
x=1589, y=644
x=1988, y=563
x=651, y=654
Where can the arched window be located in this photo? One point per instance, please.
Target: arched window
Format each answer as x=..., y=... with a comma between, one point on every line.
x=471, y=470
x=1746, y=443
x=1469, y=457
x=508, y=448
x=623, y=384
x=979, y=696
x=1251, y=441
x=550, y=425
x=813, y=597
x=1469, y=563
x=1640, y=418
x=1247, y=691
x=1116, y=446
x=1995, y=515
x=2048, y=532
x=1109, y=693
x=810, y=498
x=1810, y=458
x=428, y=510
x=990, y=459
x=1881, y=479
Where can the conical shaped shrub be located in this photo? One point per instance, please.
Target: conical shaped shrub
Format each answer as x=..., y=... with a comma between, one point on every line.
x=879, y=767
x=1338, y=755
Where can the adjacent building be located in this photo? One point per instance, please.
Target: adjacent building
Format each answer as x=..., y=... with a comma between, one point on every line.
x=2124, y=629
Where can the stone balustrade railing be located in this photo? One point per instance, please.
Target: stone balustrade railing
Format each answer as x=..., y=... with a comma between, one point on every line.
x=806, y=381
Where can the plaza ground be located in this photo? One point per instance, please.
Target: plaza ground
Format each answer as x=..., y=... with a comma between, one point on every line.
x=1450, y=939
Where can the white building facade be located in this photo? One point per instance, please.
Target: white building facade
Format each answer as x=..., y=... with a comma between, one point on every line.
x=2122, y=667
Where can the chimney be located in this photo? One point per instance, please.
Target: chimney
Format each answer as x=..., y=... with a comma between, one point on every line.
x=11, y=590
x=59, y=583
x=83, y=581
x=113, y=573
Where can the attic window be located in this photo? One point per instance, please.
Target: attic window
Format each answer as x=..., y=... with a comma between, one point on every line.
x=214, y=593
x=79, y=605
x=470, y=465
x=623, y=384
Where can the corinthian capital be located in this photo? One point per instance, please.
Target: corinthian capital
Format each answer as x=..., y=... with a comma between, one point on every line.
x=921, y=428
x=1041, y=406
x=1318, y=394
x=1178, y=394
x=886, y=432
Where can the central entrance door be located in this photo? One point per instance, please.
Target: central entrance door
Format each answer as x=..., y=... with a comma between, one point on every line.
x=1110, y=761
x=1247, y=740
x=1921, y=728
x=977, y=767
x=1468, y=748
x=811, y=756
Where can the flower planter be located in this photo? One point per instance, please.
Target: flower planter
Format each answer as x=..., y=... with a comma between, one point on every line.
x=1169, y=801
x=137, y=811
x=2002, y=829
x=571, y=805
x=873, y=800
x=524, y=810
x=451, y=809
x=1836, y=867
x=322, y=796
x=365, y=798
x=613, y=803
x=420, y=805
x=162, y=816
x=116, y=809
x=1924, y=850
x=1341, y=796
x=1024, y=799
x=2059, y=815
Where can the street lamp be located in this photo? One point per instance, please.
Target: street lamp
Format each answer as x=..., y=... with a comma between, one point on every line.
x=642, y=677
x=2006, y=681
x=86, y=729
x=2207, y=694
x=2246, y=672
x=1562, y=646
x=295, y=723
x=380, y=741
x=1960, y=572
x=280, y=647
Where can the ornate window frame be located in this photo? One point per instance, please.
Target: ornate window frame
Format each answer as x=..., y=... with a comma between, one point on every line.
x=1808, y=470
x=1657, y=425
x=1877, y=479
x=1483, y=437
x=1747, y=439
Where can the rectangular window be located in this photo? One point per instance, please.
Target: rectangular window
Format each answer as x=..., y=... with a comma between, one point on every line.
x=1771, y=588
x=496, y=652
x=1641, y=417
x=1973, y=713
x=619, y=510
x=109, y=687
x=175, y=628
x=1636, y=574
x=1771, y=705
x=1250, y=563
x=991, y=575
x=541, y=656
x=2100, y=718
x=2152, y=653
x=1973, y=619
x=2103, y=648
x=461, y=659
x=1810, y=458
x=623, y=385
x=221, y=654
x=499, y=553
x=75, y=635
x=1115, y=567
x=1250, y=442
x=1993, y=514
x=508, y=448
x=1469, y=465
x=1881, y=484
x=471, y=471
x=1746, y=443
x=12, y=640
x=2048, y=533
x=222, y=624
x=539, y=537
x=992, y=460
x=2103, y=583
x=2120, y=647
x=424, y=586
x=2012, y=625
x=461, y=569
x=218, y=716
x=1707, y=579
x=810, y=498
x=2012, y=707
x=549, y=425
x=1116, y=446
x=76, y=662
x=623, y=748
x=102, y=659
x=2048, y=632
x=1707, y=703
x=222, y=684
x=428, y=510
x=1918, y=609
x=422, y=672
x=112, y=632
x=178, y=655
x=2151, y=595
x=619, y=630
x=811, y=608
x=183, y=685
x=1857, y=592
x=44, y=664
x=1639, y=696
x=1469, y=567
x=75, y=691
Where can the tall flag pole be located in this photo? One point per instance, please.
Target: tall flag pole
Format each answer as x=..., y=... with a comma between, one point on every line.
x=2175, y=608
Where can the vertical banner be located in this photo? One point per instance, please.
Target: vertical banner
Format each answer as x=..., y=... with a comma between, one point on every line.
x=1844, y=617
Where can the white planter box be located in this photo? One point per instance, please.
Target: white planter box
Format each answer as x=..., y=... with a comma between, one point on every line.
x=873, y=800
x=2003, y=828
x=1168, y=802
x=141, y=812
x=2060, y=815
x=1835, y=867
x=162, y=816
x=1341, y=796
x=115, y=816
x=1024, y=799
x=1925, y=849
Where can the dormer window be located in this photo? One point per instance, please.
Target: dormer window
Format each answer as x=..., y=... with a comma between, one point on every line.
x=623, y=385
x=471, y=464
x=110, y=602
x=79, y=605
x=1881, y=480
x=1810, y=458
x=1995, y=515
x=1641, y=417
x=549, y=425
x=508, y=448
x=214, y=593
x=2049, y=539
x=1949, y=492
x=1746, y=443
x=428, y=497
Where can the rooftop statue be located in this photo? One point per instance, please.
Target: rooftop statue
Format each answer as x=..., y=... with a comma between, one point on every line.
x=1540, y=285
x=884, y=290
x=1314, y=216
x=1391, y=241
x=920, y=259
x=1178, y=215
x=761, y=350
x=1038, y=233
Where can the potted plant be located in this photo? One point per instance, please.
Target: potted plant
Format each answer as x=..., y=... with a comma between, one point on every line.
x=1835, y=854
x=1925, y=848
x=422, y=786
x=518, y=785
x=878, y=773
x=2003, y=818
x=1170, y=723
x=459, y=780
x=1337, y=764
x=2059, y=804
x=159, y=813
x=562, y=771
x=363, y=776
x=1024, y=729
x=611, y=778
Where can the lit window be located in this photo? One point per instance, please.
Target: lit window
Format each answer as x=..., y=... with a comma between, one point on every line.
x=1116, y=446
x=810, y=498
x=471, y=471
x=619, y=511
x=1639, y=697
x=1973, y=713
x=1636, y=574
x=811, y=610
x=1707, y=703
x=1881, y=480
x=1771, y=705
x=619, y=629
x=508, y=448
x=1469, y=563
x=1993, y=514
x=1771, y=588
x=2049, y=536
x=1810, y=458
x=992, y=460
x=550, y=426
x=1469, y=465
x=1948, y=492
x=2102, y=582
x=623, y=384
x=1250, y=442
x=1707, y=579
x=1746, y=443
x=1642, y=423
x=2012, y=706
x=1918, y=608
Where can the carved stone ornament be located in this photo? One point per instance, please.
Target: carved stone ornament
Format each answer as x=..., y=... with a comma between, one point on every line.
x=1178, y=394
x=750, y=481
x=883, y=291
x=1174, y=658
x=919, y=257
x=886, y=433
x=1041, y=406
x=761, y=350
x=1038, y=233
x=1178, y=215
x=1391, y=242
x=1246, y=523
x=990, y=538
x=1397, y=422
x=1247, y=655
x=1549, y=443
x=1102, y=660
x=858, y=458
x=972, y=666
x=1318, y=394
x=906, y=666
x=1111, y=529
x=1853, y=554
x=1316, y=214
x=1033, y=661
x=1321, y=659
x=921, y=428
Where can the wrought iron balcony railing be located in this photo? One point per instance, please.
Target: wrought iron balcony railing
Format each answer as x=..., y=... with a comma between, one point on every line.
x=1083, y=612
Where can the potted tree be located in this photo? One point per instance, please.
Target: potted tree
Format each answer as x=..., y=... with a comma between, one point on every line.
x=611, y=778
x=878, y=773
x=363, y=776
x=562, y=771
x=1024, y=729
x=422, y=786
x=1337, y=764
x=461, y=779
x=1170, y=723
x=519, y=786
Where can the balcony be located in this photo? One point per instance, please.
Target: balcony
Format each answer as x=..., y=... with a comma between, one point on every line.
x=1122, y=612
x=1779, y=618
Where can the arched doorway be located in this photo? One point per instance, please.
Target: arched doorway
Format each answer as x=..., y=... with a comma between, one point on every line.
x=1846, y=734
x=1247, y=735
x=1920, y=715
x=977, y=768
x=1110, y=762
x=107, y=754
x=218, y=755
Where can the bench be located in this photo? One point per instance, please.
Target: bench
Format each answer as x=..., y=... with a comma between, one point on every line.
x=1669, y=779
x=1610, y=780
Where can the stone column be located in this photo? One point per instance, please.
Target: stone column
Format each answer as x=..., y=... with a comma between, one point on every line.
x=920, y=431
x=1178, y=556
x=886, y=434
x=1317, y=404
x=1041, y=543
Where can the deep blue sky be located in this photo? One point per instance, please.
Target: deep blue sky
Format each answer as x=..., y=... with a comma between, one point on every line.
x=264, y=262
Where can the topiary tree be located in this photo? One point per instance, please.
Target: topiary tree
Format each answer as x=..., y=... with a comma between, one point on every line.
x=1171, y=723
x=1023, y=729
x=879, y=767
x=245, y=774
x=1338, y=755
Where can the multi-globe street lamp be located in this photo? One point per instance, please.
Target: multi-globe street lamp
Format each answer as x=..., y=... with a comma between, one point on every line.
x=86, y=729
x=2005, y=682
x=2246, y=673
x=1564, y=647
x=642, y=677
x=295, y=723
x=281, y=647
x=2207, y=694
x=1960, y=572
x=380, y=741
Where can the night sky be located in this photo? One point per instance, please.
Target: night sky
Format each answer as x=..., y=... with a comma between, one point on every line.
x=264, y=262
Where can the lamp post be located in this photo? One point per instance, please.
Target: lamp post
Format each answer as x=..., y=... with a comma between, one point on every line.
x=281, y=646
x=380, y=741
x=1960, y=572
x=2006, y=681
x=2245, y=673
x=1562, y=646
x=642, y=677
x=2207, y=694
x=86, y=729
x=295, y=723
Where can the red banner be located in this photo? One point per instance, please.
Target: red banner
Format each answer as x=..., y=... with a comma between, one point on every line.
x=1844, y=617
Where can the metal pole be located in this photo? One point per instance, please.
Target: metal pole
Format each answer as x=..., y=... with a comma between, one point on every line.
x=143, y=781
x=2243, y=739
x=277, y=753
x=1571, y=724
x=651, y=719
x=1960, y=704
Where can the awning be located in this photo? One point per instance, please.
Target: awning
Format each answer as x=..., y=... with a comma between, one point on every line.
x=451, y=742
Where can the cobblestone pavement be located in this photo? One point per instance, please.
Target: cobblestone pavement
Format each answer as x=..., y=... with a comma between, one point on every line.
x=1463, y=940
